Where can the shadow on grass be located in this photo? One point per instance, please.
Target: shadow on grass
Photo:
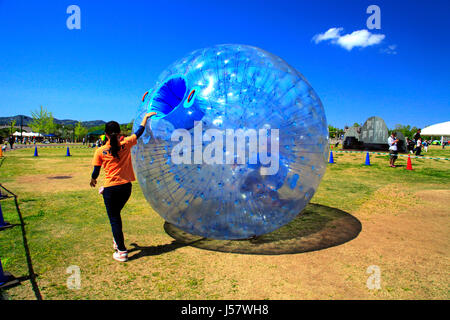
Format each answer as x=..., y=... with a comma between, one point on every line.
x=31, y=274
x=12, y=282
x=157, y=250
x=317, y=227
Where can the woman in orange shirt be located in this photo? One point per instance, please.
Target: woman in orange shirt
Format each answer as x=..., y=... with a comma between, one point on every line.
x=115, y=157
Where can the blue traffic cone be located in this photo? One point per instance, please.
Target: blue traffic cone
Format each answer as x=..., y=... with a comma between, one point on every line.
x=6, y=279
x=331, y=157
x=367, y=159
x=2, y=221
x=3, y=278
x=3, y=224
x=35, y=152
x=68, y=152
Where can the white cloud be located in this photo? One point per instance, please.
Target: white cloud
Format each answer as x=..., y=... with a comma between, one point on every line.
x=332, y=33
x=360, y=38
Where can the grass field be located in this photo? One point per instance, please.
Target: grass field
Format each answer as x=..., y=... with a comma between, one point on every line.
x=403, y=218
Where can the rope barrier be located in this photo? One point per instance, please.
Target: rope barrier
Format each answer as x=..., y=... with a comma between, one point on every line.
x=342, y=151
x=400, y=155
x=43, y=146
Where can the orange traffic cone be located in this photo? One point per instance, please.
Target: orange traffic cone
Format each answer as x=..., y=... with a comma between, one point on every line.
x=408, y=164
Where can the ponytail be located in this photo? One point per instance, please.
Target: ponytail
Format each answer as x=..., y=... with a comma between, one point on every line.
x=112, y=129
x=114, y=145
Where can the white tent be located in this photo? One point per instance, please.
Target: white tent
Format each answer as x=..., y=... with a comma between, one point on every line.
x=27, y=134
x=32, y=134
x=439, y=129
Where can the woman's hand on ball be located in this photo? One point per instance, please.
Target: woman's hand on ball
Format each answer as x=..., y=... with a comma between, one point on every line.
x=146, y=117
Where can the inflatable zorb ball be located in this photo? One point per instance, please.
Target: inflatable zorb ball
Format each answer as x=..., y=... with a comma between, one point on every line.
x=238, y=146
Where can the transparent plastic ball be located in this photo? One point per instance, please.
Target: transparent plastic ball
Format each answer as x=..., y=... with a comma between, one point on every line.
x=238, y=146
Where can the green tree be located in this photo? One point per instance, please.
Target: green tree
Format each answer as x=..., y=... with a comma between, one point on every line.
x=4, y=133
x=100, y=127
x=332, y=131
x=130, y=127
x=43, y=121
x=335, y=132
x=126, y=129
x=13, y=124
x=50, y=126
x=80, y=131
x=407, y=130
x=68, y=131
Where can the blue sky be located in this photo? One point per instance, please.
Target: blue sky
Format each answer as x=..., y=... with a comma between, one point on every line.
x=102, y=70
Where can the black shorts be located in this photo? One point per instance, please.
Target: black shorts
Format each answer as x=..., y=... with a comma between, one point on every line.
x=393, y=154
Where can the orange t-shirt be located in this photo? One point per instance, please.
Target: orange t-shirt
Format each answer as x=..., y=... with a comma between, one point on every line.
x=117, y=171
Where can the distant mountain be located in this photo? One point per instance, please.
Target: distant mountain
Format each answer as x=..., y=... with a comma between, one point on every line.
x=27, y=120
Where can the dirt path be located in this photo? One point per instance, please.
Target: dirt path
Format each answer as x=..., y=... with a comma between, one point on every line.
x=410, y=247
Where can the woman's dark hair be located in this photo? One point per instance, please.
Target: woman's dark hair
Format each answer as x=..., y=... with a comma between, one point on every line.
x=112, y=129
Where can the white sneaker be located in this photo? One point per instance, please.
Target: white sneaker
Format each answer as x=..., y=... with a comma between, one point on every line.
x=115, y=245
x=121, y=256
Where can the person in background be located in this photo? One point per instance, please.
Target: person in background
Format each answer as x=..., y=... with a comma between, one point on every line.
x=418, y=146
x=408, y=144
x=425, y=145
x=415, y=138
x=393, y=152
x=11, y=142
x=417, y=135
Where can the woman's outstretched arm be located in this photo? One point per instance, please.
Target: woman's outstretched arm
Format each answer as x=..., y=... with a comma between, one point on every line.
x=141, y=128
